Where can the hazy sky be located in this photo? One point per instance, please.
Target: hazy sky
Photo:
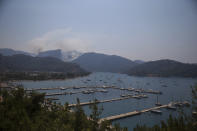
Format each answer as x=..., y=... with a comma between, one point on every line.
x=136, y=29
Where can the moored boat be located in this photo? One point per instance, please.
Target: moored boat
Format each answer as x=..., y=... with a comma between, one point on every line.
x=156, y=111
x=170, y=107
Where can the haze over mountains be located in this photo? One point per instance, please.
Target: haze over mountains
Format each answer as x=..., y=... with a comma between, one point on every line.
x=65, y=56
x=25, y=63
x=10, y=52
x=54, y=60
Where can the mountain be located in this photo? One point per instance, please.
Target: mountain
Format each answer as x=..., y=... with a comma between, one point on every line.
x=70, y=55
x=65, y=56
x=62, y=55
x=96, y=62
x=165, y=68
x=139, y=61
x=51, y=53
x=28, y=63
x=10, y=52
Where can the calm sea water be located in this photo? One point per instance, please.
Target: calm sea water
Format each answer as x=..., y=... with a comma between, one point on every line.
x=173, y=89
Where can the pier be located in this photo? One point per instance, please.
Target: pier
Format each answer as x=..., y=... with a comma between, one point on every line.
x=110, y=100
x=133, y=113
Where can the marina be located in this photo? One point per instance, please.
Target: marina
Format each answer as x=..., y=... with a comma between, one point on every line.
x=120, y=94
x=90, y=90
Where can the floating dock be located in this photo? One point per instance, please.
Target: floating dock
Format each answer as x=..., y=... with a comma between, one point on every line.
x=104, y=101
x=93, y=89
x=133, y=113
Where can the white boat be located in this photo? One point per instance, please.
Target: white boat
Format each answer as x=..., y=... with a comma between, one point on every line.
x=104, y=91
x=137, y=97
x=104, y=86
x=170, y=107
x=123, y=95
x=62, y=88
x=156, y=111
x=194, y=113
x=144, y=96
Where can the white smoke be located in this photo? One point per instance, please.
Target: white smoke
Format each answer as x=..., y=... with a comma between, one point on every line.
x=64, y=39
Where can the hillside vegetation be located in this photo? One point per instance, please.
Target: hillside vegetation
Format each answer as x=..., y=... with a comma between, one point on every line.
x=23, y=63
x=164, y=68
x=95, y=62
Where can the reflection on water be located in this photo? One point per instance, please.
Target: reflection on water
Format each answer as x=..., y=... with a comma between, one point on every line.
x=173, y=89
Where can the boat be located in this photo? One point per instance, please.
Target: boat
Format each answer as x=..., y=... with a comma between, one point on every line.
x=76, y=87
x=85, y=92
x=138, y=90
x=156, y=111
x=113, y=86
x=130, y=89
x=104, y=91
x=104, y=86
x=194, y=113
x=157, y=103
x=186, y=103
x=130, y=95
x=123, y=95
x=170, y=107
x=62, y=88
x=91, y=91
x=137, y=97
x=179, y=104
x=144, y=96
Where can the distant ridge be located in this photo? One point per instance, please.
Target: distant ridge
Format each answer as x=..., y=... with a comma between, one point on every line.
x=21, y=63
x=71, y=55
x=62, y=55
x=51, y=53
x=10, y=52
x=96, y=62
x=139, y=61
x=58, y=53
x=53, y=61
x=164, y=68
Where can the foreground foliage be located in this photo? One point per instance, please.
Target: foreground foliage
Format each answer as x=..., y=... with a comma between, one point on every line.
x=20, y=111
x=182, y=123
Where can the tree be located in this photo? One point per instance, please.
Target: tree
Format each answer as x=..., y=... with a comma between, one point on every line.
x=80, y=122
x=22, y=111
x=94, y=116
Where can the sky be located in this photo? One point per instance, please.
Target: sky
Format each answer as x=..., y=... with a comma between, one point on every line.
x=135, y=29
